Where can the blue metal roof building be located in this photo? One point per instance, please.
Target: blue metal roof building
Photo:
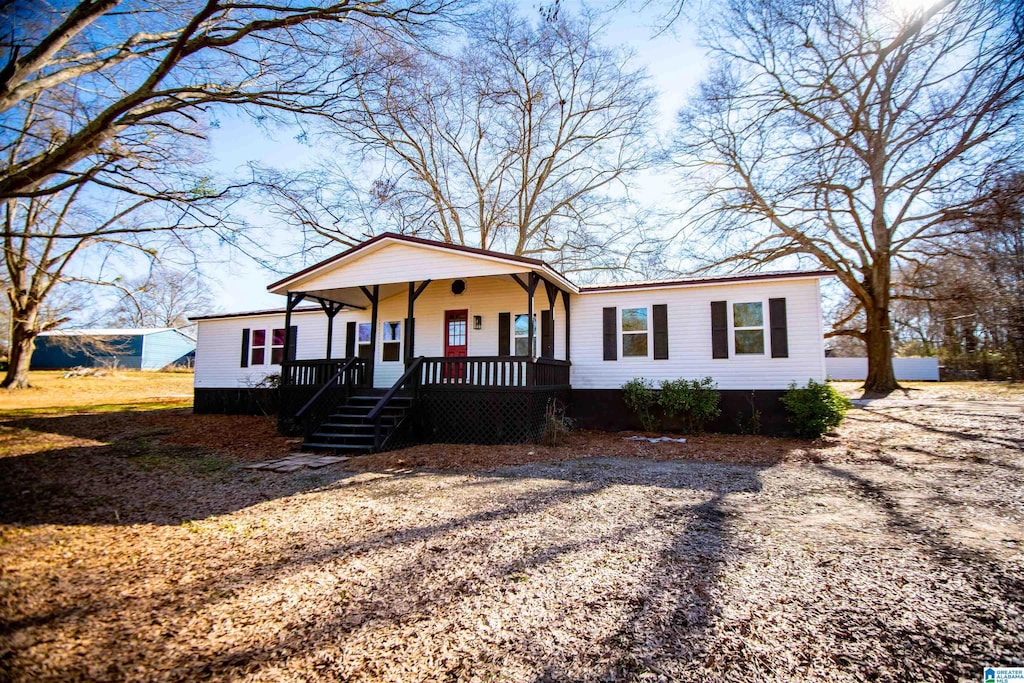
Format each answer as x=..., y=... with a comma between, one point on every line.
x=129, y=348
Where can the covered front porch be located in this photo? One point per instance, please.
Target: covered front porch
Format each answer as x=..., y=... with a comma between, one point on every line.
x=480, y=333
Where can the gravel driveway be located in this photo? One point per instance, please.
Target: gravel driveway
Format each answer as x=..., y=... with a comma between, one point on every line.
x=893, y=552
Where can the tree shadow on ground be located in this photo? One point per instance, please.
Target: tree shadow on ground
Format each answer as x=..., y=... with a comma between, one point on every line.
x=426, y=569
x=987, y=575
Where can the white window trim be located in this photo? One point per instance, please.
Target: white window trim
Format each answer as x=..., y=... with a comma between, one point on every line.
x=649, y=333
x=400, y=341
x=536, y=335
x=764, y=329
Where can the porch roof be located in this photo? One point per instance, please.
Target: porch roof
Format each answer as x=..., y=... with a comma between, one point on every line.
x=392, y=260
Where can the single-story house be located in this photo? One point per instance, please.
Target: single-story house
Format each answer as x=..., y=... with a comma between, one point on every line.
x=403, y=339
x=129, y=348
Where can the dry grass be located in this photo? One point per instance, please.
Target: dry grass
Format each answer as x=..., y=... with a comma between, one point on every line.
x=51, y=392
x=132, y=548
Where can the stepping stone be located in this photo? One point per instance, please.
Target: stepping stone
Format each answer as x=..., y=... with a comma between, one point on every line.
x=289, y=467
x=257, y=466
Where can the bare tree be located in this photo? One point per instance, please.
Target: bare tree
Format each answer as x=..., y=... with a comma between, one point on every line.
x=524, y=138
x=853, y=132
x=163, y=298
x=100, y=100
x=45, y=236
x=156, y=66
x=969, y=300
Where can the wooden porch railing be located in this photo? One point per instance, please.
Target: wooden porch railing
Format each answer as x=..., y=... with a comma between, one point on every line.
x=551, y=372
x=316, y=373
x=494, y=371
x=304, y=405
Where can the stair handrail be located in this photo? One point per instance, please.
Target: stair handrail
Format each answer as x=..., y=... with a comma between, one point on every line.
x=344, y=368
x=375, y=414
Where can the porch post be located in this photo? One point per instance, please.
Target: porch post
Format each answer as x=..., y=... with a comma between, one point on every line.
x=330, y=335
x=292, y=300
x=373, y=332
x=565, y=302
x=552, y=292
x=331, y=309
x=408, y=324
x=534, y=279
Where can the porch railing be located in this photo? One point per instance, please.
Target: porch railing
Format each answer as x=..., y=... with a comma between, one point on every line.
x=315, y=373
x=306, y=398
x=494, y=371
x=551, y=372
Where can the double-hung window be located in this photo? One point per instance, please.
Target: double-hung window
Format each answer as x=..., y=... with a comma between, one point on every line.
x=363, y=339
x=277, y=346
x=635, y=333
x=258, y=351
x=748, y=328
x=392, y=346
x=521, y=335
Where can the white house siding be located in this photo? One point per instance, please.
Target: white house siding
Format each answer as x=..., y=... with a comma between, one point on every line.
x=218, y=349
x=689, y=337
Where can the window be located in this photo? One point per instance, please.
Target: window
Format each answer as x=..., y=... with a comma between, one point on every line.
x=365, y=334
x=258, y=353
x=277, y=346
x=392, y=348
x=634, y=333
x=521, y=335
x=748, y=328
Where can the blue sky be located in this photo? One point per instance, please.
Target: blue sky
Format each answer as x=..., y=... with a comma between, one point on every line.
x=672, y=58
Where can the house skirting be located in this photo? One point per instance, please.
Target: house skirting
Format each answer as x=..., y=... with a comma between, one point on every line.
x=485, y=415
x=236, y=401
x=516, y=414
x=604, y=409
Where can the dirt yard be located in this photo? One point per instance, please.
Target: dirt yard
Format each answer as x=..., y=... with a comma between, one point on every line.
x=134, y=548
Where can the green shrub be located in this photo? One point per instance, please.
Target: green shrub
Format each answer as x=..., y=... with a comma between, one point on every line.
x=814, y=409
x=638, y=393
x=695, y=401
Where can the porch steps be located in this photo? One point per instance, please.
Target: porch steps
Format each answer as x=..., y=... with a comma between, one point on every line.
x=349, y=431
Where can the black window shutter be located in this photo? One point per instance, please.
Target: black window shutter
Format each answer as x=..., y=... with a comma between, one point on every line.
x=350, y=339
x=719, y=330
x=780, y=333
x=660, y=332
x=610, y=332
x=547, y=335
x=504, y=334
x=245, y=347
x=293, y=340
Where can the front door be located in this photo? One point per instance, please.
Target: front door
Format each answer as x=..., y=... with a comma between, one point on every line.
x=456, y=342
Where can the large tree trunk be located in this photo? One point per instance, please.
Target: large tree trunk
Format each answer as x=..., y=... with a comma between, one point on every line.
x=881, y=378
x=23, y=342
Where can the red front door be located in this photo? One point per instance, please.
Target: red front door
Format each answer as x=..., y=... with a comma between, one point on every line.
x=456, y=341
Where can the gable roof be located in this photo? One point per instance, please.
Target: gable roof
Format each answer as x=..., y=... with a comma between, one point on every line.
x=390, y=237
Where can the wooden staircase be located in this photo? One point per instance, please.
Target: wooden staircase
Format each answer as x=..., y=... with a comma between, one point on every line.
x=349, y=429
